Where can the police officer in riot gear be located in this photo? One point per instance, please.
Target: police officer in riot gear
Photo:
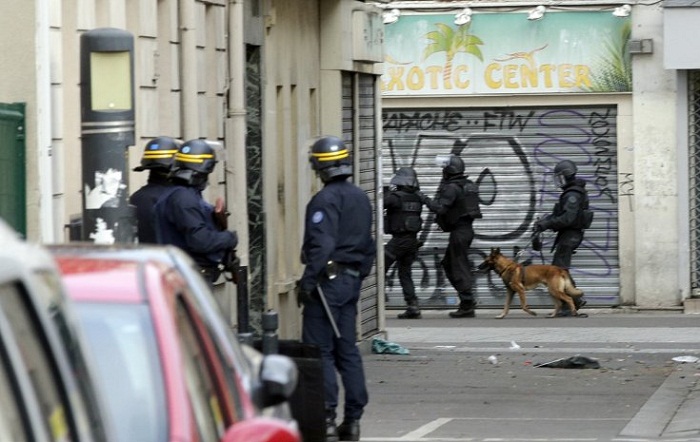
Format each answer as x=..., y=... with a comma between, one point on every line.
x=185, y=220
x=157, y=158
x=456, y=206
x=338, y=253
x=570, y=217
x=403, y=221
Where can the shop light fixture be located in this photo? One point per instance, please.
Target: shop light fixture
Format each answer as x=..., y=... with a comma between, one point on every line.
x=622, y=11
x=537, y=13
x=463, y=17
x=391, y=16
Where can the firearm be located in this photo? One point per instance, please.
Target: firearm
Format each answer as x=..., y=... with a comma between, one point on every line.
x=230, y=263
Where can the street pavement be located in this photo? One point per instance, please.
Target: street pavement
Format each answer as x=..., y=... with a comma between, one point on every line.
x=485, y=379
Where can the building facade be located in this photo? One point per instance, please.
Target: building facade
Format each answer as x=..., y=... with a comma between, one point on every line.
x=514, y=88
x=262, y=78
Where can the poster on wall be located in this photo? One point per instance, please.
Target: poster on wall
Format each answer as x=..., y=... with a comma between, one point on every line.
x=505, y=53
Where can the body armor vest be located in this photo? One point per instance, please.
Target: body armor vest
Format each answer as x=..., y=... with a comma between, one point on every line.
x=407, y=219
x=585, y=216
x=466, y=206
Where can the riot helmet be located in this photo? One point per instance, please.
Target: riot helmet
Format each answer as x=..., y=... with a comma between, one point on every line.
x=405, y=177
x=451, y=164
x=564, y=172
x=330, y=159
x=158, y=154
x=193, y=163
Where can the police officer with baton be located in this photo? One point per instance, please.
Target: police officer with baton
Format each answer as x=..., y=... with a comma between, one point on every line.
x=338, y=253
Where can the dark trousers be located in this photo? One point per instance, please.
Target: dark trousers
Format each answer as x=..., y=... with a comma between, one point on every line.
x=403, y=250
x=456, y=264
x=565, y=246
x=342, y=294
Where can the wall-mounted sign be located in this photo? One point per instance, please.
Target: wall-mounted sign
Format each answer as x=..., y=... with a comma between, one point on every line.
x=505, y=53
x=368, y=36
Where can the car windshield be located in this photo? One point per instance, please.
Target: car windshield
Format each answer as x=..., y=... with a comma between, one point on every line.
x=124, y=348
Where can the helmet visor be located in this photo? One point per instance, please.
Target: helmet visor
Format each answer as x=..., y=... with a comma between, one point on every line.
x=559, y=179
x=442, y=161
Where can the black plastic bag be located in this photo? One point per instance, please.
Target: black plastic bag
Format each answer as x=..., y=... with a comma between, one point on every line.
x=572, y=362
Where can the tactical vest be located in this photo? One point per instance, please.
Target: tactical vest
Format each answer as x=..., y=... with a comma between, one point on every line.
x=407, y=219
x=585, y=216
x=466, y=206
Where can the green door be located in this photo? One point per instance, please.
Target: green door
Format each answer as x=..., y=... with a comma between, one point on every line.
x=12, y=166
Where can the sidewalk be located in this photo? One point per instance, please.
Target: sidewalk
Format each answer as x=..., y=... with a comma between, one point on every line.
x=618, y=336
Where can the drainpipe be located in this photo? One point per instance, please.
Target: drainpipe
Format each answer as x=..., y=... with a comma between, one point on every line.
x=235, y=134
x=189, y=69
x=43, y=122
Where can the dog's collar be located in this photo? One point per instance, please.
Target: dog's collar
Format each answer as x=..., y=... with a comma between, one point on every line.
x=511, y=265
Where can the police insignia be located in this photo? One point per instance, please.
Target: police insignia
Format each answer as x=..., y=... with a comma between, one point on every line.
x=317, y=217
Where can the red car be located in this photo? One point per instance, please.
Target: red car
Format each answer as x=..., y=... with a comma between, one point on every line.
x=162, y=372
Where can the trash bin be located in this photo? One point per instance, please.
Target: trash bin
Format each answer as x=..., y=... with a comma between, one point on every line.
x=307, y=403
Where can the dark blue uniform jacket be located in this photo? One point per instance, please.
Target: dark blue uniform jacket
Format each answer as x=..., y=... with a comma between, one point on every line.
x=338, y=228
x=145, y=199
x=185, y=220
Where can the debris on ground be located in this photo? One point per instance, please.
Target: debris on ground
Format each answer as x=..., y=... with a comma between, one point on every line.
x=380, y=346
x=690, y=359
x=571, y=362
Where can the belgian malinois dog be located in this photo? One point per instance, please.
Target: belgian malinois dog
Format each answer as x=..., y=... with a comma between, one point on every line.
x=519, y=278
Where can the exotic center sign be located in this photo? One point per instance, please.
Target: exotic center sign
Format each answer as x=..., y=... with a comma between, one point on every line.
x=505, y=53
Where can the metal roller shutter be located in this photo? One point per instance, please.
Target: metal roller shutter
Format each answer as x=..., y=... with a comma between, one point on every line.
x=510, y=153
x=359, y=131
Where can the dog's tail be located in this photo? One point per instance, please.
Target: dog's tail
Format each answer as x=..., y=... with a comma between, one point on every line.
x=569, y=287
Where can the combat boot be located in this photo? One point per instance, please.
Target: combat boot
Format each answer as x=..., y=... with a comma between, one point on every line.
x=331, y=428
x=412, y=311
x=349, y=430
x=465, y=310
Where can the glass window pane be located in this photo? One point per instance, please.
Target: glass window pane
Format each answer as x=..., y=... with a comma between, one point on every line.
x=200, y=383
x=129, y=373
x=39, y=362
x=11, y=415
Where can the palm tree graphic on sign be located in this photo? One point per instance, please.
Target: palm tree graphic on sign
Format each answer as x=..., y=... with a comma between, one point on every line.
x=451, y=42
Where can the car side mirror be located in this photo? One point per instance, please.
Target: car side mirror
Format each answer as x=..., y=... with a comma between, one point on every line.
x=278, y=376
x=261, y=429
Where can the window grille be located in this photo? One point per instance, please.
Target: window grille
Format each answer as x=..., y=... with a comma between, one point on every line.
x=694, y=174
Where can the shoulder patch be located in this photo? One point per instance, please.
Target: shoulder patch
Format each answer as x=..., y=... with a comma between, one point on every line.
x=572, y=199
x=317, y=217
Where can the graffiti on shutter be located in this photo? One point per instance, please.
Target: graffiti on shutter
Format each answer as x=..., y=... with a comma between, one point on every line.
x=510, y=153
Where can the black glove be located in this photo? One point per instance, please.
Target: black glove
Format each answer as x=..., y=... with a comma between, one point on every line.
x=423, y=197
x=231, y=264
x=303, y=296
x=538, y=227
